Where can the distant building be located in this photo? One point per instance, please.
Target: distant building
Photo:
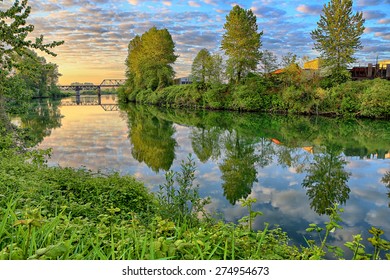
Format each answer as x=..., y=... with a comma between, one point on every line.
x=383, y=64
x=312, y=64
x=182, y=81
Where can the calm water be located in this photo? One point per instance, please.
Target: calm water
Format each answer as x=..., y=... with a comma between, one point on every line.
x=294, y=166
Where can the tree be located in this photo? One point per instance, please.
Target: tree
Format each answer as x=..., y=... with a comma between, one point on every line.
x=268, y=62
x=207, y=68
x=13, y=41
x=40, y=76
x=150, y=59
x=337, y=36
x=14, y=32
x=241, y=43
x=200, y=66
x=216, y=70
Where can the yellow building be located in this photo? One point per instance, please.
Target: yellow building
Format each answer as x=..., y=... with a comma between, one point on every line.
x=312, y=64
x=383, y=63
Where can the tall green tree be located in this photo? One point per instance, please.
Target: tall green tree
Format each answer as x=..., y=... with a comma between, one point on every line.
x=241, y=42
x=337, y=36
x=207, y=68
x=200, y=66
x=150, y=60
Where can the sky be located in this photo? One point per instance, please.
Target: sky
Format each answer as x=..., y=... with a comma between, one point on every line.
x=97, y=33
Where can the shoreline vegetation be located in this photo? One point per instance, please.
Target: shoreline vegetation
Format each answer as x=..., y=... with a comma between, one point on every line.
x=367, y=98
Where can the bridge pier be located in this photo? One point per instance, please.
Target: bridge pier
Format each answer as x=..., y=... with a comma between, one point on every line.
x=78, y=100
x=99, y=96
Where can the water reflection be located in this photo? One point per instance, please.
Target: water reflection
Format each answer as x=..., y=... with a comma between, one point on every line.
x=238, y=167
x=326, y=181
x=205, y=143
x=151, y=139
x=296, y=167
x=386, y=180
x=39, y=119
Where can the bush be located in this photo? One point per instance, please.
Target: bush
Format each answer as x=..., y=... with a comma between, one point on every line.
x=216, y=97
x=245, y=98
x=375, y=99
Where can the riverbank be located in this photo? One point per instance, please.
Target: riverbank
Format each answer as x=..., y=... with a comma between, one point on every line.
x=368, y=98
x=64, y=213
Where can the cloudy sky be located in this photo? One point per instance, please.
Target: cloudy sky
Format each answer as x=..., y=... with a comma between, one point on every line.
x=97, y=33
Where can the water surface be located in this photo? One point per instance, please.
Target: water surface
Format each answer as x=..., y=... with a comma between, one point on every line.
x=296, y=167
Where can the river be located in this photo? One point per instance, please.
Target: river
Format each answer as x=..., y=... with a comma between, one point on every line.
x=295, y=166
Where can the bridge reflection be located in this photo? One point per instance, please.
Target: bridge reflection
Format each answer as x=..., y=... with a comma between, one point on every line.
x=105, y=107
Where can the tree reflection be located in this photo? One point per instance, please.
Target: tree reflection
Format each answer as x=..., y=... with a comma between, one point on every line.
x=386, y=180
x=326, y=181
x=265, y=152
x=152, y=139
x=238, y=168
x=38, y=121
x=205, y=143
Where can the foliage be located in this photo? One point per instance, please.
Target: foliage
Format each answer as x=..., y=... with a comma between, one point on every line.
x=268, y=62
x=375, y=99
x=337, y=36
x=200, y=66
x=152, y=140
x=14, y=32
x=39, y=76
x=330, y=227
x=150, y=59
x=241, y=43
x=182, y=204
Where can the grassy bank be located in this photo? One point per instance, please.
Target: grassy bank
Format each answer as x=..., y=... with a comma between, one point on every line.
x=67, y=214
x=368, y=98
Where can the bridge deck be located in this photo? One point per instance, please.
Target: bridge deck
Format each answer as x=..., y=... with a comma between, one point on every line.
x=106, y=83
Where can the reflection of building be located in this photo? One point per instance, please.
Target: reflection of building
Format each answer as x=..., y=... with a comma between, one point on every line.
x=387, y=155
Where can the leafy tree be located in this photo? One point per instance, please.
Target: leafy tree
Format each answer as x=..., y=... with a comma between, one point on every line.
x=337, y=36
x=241, y=43
x=289, y=59
x=206, y=143
x=14, y=32
x=200, y=66
x=13, y=41
x=386, y=180
x=41, y=77
x=207, y=68
x=268, y=62
x=150, y=59
x=216, y=69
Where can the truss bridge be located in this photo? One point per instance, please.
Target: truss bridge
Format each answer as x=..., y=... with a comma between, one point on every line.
x=106, y=83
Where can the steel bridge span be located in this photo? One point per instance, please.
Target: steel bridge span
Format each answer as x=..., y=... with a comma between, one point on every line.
x=106, y=83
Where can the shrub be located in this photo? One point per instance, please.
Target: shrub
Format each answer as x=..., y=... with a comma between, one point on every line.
x=216, y=97
x=375, y=100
